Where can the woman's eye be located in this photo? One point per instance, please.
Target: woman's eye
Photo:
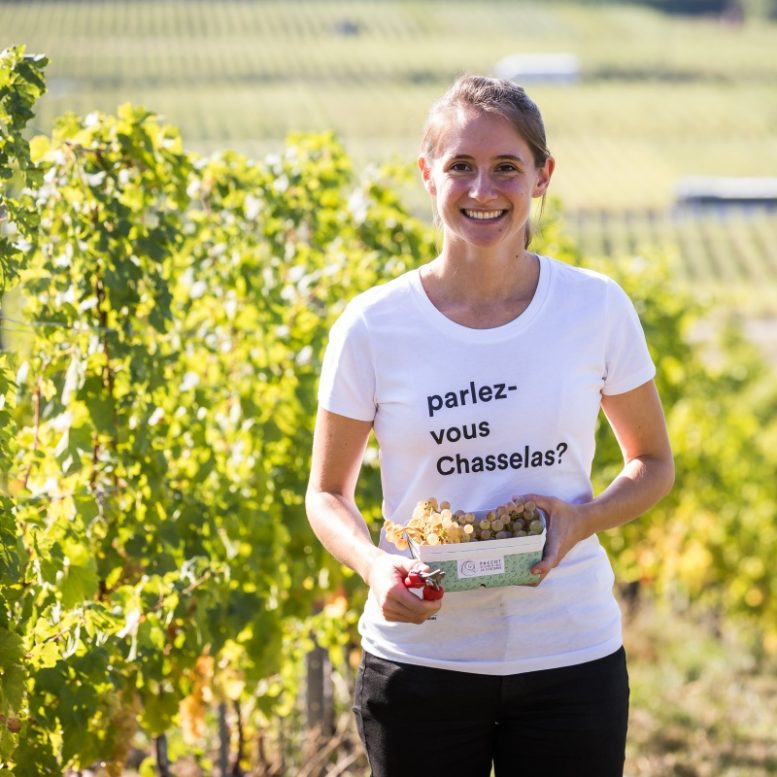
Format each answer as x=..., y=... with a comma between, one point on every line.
x=459, y=167
x=507, y=168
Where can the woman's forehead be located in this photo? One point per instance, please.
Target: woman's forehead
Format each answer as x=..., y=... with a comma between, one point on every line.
x=470, y=132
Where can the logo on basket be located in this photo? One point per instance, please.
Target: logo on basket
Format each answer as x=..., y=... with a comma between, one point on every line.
x=481, y=567
x=468, y=568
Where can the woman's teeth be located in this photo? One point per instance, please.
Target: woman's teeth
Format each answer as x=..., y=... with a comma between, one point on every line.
x=483, y=215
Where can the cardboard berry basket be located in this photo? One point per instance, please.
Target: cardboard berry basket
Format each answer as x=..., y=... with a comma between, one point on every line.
x=485, y=563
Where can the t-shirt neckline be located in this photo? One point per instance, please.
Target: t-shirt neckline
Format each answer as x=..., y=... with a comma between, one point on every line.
x=492, y=334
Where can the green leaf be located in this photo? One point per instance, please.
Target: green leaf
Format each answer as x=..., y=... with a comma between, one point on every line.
x=78, y=581
x=11, y=648
x=12, y=672
x=159, y=710
x=13, y=681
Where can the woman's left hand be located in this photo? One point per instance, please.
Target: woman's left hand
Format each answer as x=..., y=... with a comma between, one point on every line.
x=566, y=527
x=638, y=422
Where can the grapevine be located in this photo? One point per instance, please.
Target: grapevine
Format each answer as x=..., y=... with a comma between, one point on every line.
x=176, y=311
x=21, y=85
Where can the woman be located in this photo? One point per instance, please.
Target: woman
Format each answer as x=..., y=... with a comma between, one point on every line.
x=482, y=374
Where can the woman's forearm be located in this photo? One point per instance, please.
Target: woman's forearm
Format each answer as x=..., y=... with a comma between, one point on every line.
x=641, y=484
x=637, y=420
x=341, y=529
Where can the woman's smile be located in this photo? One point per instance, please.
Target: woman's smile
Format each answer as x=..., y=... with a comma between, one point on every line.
x=483, y=215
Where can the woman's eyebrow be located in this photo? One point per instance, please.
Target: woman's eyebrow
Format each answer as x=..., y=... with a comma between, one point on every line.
x=499, y=157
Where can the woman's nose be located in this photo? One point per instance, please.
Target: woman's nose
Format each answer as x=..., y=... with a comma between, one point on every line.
x=482, y=187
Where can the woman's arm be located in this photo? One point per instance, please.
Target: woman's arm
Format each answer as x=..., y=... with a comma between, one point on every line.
x=637, y=419
x=338, y=448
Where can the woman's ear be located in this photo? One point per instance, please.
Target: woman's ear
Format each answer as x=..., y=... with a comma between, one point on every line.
x=543, y=177
x=426, y=174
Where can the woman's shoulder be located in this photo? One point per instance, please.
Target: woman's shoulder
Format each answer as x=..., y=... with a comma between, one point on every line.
x=570, y=279
x=577, y=274
x=582, y=288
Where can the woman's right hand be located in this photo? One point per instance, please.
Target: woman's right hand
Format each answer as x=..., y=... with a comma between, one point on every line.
x=387, y=584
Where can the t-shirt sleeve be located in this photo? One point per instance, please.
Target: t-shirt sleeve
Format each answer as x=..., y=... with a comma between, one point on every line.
x=347, y=382
x=627, y=359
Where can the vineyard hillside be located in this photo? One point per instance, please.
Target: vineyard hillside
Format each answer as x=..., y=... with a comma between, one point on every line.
x=658, y=98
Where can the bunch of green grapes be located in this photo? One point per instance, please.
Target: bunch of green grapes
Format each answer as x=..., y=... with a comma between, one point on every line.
x=434, y=523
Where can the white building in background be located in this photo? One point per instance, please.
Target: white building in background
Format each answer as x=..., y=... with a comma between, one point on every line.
x=748, y=191
x=542, y=68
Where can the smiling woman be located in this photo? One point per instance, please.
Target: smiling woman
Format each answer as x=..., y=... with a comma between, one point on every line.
x=529, y=676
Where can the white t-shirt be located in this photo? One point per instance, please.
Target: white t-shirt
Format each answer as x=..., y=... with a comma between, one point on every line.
x=475, y=417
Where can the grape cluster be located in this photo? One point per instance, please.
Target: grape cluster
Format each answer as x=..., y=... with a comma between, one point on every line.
x=434, y=523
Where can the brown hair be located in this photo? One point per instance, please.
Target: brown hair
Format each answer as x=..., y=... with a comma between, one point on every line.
x=490, y=95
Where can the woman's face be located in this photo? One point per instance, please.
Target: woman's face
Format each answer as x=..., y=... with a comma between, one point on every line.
x=483, y=179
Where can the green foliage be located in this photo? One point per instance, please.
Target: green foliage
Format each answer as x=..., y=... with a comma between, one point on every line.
x=709, y=541
x=21, y=83
x=179, y=309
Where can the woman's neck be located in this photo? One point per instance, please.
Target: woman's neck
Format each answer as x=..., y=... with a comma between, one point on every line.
x=481, y=290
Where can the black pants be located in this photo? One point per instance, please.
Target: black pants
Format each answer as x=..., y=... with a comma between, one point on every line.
x=567, y=722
